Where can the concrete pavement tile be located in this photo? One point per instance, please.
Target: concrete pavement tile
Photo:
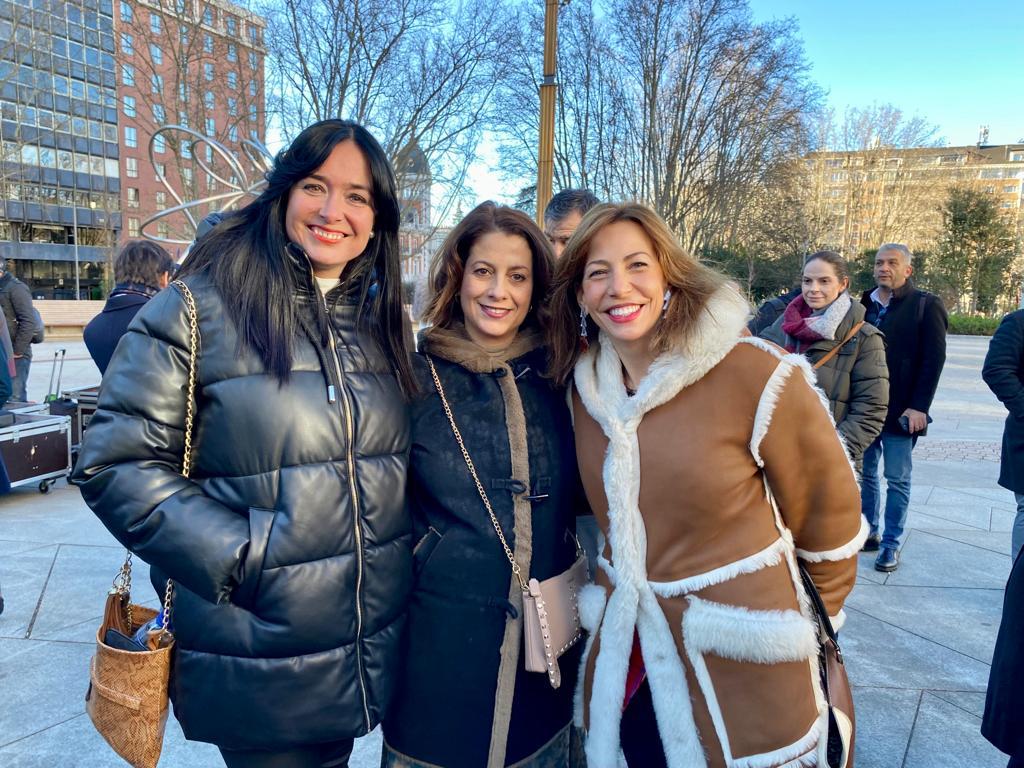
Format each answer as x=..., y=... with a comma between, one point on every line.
x=920, y=520
x=946, y=736
x=43, y=684
x=885, y=717
x=976, y=515
x=928, y=560
x=993, y=541
x=8, y=548
x=970, y=497
x=1002, y=519
x=22, y=577
x=78, y=587
x=957, y=473
x=965, y=620
x=59, y=516
x=971, y=702
x=886, y=656
x=866, y=568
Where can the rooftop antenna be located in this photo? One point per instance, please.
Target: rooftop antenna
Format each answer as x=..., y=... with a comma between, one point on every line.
x=982, y=135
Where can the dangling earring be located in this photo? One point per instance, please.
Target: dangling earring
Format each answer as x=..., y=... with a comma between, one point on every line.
x=664, y=304
x=584, y=341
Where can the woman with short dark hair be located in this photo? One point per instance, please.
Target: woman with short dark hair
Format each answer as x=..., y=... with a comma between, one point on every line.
x=289, y=545
x=464, y=697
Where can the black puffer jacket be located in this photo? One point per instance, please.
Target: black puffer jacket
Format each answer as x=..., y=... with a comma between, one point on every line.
x=290, y=546
x=855, y=380
x=457, y=705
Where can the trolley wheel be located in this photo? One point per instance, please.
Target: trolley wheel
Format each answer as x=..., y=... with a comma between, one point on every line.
x=44, y=487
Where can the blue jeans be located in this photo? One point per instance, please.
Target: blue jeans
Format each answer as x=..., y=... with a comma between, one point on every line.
x=894, y=450
x=20, y=380
x=1017, y=537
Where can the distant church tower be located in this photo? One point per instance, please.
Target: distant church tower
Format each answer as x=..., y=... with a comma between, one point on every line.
x=414, y=182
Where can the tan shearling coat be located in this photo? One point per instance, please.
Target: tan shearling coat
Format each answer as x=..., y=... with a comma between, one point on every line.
x=708, y=484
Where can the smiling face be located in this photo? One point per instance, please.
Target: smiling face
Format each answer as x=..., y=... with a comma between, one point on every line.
x=497, y=286
x=330, y=212
x=624, y=285
x=891, y=269
x=820, y=284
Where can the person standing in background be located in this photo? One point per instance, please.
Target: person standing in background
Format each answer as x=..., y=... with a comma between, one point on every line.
x=16, y=301
x=141, y=269
x=1004, y=373
x=914, y=323
x=563, y=214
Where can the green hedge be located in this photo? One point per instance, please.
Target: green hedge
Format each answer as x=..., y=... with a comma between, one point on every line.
x=973, y=325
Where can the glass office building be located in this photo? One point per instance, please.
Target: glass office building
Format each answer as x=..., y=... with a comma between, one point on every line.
x=59, y=174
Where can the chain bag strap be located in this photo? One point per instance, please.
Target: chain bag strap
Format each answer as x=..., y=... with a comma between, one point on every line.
x=551, y=622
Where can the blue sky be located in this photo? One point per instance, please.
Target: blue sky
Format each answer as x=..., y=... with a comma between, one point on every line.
x=959, y=65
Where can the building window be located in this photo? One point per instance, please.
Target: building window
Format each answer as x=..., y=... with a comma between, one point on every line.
x=162, y=229
x=232, y=107
x=207, y=15
x=131, y=137
x=232, y=25
x=161, y=200
x=254, y=134
x=186, y=176
x=233, y=133
x=252, y=88
x=183, y=36
x=208, y=72
x=252, y=113
x=186, y=150
x=156, y=83
x=131, y=167
x=180, y=6
x=254, y=34
x=184, y=93
x=133, y=227
x=159, y=170
x=233, y=80
x=254, y=61
x=133, y=197
x=1011, y=188
x=128, y=75
x=232, y=52
x=208, y=44
x=129, y=106
x=183, y=118
x=1017, y=157
x=156, y=53
x=208, y=101
x=159, y=114
x=211, y=126
x=126, y=44
x=159, y=144
x=126, y=11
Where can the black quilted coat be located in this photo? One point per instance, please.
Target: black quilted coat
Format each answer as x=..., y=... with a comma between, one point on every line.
x=290, y=545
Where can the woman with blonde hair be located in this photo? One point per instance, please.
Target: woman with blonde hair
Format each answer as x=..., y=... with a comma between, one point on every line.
x=713, y=470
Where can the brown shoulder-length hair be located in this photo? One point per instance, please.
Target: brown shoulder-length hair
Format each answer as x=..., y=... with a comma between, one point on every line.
x=691, y=282
x=449, y=264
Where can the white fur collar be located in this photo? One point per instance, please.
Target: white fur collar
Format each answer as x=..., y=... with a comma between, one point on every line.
x=598, y=373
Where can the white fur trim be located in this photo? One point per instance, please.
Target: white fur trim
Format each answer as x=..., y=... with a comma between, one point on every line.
x=744, y=634
x=847, y=550
x=577, y=696
x=707, y=689
x=796, y=755
x=592, y=600
x=766, y=407
x=770, y=555
x=838, y=620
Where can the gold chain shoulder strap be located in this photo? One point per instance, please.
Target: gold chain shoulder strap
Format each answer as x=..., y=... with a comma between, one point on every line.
x=123, y=582
x=516, y=570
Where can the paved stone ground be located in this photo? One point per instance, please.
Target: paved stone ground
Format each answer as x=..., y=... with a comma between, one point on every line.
x=918, y=641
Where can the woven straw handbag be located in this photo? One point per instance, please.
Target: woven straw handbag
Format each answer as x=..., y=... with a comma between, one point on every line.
x=127, y=698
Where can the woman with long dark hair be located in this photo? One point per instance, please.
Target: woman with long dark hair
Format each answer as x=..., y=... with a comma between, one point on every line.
x=289, y=545
x=464, y=698
x=713, y=470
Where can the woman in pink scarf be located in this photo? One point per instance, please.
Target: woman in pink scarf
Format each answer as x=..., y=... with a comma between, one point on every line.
x=848, y=355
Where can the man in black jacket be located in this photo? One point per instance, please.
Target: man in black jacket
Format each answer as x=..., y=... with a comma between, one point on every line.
x=914, y=323
x=1004, y=374
x=141, y=269
x=16, y=301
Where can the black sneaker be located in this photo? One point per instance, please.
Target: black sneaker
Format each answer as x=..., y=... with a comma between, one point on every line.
x=871, y=543
x=888, y=560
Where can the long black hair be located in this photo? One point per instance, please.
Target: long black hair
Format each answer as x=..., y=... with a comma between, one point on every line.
x=247, y=256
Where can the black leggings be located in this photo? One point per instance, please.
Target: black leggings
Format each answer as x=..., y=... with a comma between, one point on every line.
x=333, y=755
x=641, y=742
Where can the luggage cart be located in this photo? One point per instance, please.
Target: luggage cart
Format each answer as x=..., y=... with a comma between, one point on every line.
x=36, y=449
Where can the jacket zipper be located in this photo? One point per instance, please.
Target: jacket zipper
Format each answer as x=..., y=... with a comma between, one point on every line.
x=346, y=408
